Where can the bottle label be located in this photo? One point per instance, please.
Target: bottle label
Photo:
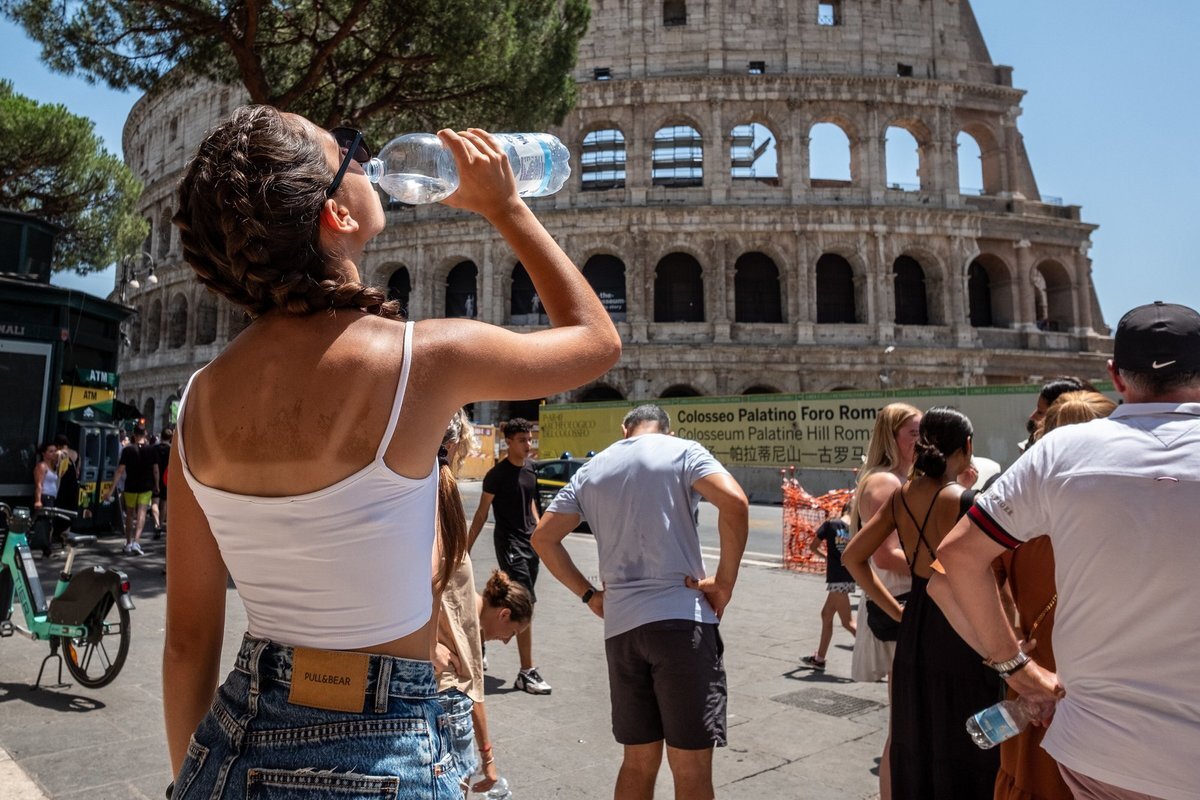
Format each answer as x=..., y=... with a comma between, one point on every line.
x=532, y=164
x=997, y=724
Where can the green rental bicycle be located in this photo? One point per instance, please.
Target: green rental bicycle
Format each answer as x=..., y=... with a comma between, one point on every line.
x=88, y=616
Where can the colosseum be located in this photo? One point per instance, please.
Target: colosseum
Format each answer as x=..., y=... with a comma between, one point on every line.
x=732, y=202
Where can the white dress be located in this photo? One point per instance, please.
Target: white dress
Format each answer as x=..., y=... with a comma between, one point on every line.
x=872, y=658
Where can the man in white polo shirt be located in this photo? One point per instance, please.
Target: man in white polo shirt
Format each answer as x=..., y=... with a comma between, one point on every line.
x=666, y=674
x=1120, y=500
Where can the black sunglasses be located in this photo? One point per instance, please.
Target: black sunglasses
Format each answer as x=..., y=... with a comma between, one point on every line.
x=356, y=148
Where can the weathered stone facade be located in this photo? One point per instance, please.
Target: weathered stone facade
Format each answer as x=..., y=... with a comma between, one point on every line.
x=725, y=277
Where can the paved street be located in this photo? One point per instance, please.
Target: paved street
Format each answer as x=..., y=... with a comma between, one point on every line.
x=793, y=733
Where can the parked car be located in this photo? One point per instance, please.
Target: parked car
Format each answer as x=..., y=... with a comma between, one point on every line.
x=554, y=475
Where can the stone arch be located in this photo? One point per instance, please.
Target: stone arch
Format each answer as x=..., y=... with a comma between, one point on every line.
x=525, y=307
x=606, y=275
x=165, y=412
x=462, y=290
x=599, y=392
x=135, y=331
x=177, y=321
x=399, y=286
x=991, y=168
x=680, y=390
x=1054, y=297
x=677, y=155
x=760, y=388
x=833, y=152
x=147, y=408
x=164, y=234
x=837, y=293
x=757, y=292
x=990, y=292
x=753, y=153
x=206, y=318
x=910, y=291
x=154, y=325
x=904, y=160
x=602, y=158
x=678, y=289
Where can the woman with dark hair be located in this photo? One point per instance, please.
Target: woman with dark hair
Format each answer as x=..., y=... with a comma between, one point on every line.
x=938, y=680
x=306, y=456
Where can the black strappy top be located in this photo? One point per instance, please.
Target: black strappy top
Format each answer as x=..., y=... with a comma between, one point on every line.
x=968, y=497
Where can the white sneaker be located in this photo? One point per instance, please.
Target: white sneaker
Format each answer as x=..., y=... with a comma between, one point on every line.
x=528, y=680
x=127, y=549
x=136, y=549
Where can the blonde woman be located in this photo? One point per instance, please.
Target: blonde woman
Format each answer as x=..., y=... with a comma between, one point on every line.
x=889, y=462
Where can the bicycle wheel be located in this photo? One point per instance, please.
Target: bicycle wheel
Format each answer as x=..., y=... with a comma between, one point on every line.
x=96, y=658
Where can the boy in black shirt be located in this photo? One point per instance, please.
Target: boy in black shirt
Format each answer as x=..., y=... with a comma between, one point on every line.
x=510, y=488
x=839, y=583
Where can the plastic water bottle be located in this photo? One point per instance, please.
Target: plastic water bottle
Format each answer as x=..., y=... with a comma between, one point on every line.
x=1001, y=722
x=417, y=168
x=499, y=791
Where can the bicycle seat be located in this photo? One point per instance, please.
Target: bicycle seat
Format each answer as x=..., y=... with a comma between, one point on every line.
x=77, y=539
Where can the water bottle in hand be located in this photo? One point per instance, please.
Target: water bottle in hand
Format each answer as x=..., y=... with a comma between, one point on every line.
x=1001, y=722
x=499, y=791
x=417, y=168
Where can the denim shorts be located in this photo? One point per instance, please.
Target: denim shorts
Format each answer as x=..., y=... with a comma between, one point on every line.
x=255, y=745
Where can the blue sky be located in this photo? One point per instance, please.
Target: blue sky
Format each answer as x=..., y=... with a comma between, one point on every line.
x=1109, y=123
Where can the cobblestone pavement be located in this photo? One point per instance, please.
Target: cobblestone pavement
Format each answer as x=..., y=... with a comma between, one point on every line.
x=793, y=733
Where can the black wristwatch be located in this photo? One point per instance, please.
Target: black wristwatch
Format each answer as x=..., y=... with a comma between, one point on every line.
x=588, y=594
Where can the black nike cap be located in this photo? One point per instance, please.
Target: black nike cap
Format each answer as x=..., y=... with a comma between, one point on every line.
x=1158, y=338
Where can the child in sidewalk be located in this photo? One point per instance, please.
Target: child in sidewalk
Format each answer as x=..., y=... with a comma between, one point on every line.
x=835, y=533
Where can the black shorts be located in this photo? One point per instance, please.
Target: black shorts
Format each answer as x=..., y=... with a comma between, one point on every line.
x=520, y=564
x=666, y=680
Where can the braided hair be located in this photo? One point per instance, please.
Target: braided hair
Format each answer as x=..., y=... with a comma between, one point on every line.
x=248, y=219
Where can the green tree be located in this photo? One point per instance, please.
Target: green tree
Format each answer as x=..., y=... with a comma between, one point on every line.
x=387, y=67
x=54, y=166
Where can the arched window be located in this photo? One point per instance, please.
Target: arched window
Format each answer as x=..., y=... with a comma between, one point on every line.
x=239, y=320
x=678, y=157
x=170, y=412
x=602, y=160
x=154, y=325
x=680, y=390
x=177, y=319
x=606, y=275
x=1053, y=297
x=903, y=156
x=759, y=388
x=829, y=156
x=912, y=307
x=979, y=296
x=674, y=13
x=135, y=332
x=970, y=165
x=399, y=286
x=461, y=299
x=756, y=292
x=206, y=319
x=599, y=393
x=835, y=290
x=164, y=234
x=752, y=154
x=148, y=413
x=678, y=289
x=525, y=307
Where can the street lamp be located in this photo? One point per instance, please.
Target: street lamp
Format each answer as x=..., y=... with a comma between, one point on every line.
x=131, y=269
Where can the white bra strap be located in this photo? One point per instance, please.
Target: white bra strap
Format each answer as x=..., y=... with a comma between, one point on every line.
x=400, y=389
x=177, y=440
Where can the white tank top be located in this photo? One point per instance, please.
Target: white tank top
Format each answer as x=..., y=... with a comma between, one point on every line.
x=344, y=567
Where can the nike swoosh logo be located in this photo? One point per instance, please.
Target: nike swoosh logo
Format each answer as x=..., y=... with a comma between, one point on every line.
x=1157, y=365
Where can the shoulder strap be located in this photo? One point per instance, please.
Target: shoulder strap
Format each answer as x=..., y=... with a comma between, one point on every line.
x=401, y=387
x=178, y=440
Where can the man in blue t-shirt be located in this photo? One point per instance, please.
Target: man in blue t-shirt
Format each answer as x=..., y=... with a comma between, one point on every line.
x=665, y=672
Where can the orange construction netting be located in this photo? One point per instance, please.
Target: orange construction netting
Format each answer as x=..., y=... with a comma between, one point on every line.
x=802, y=515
